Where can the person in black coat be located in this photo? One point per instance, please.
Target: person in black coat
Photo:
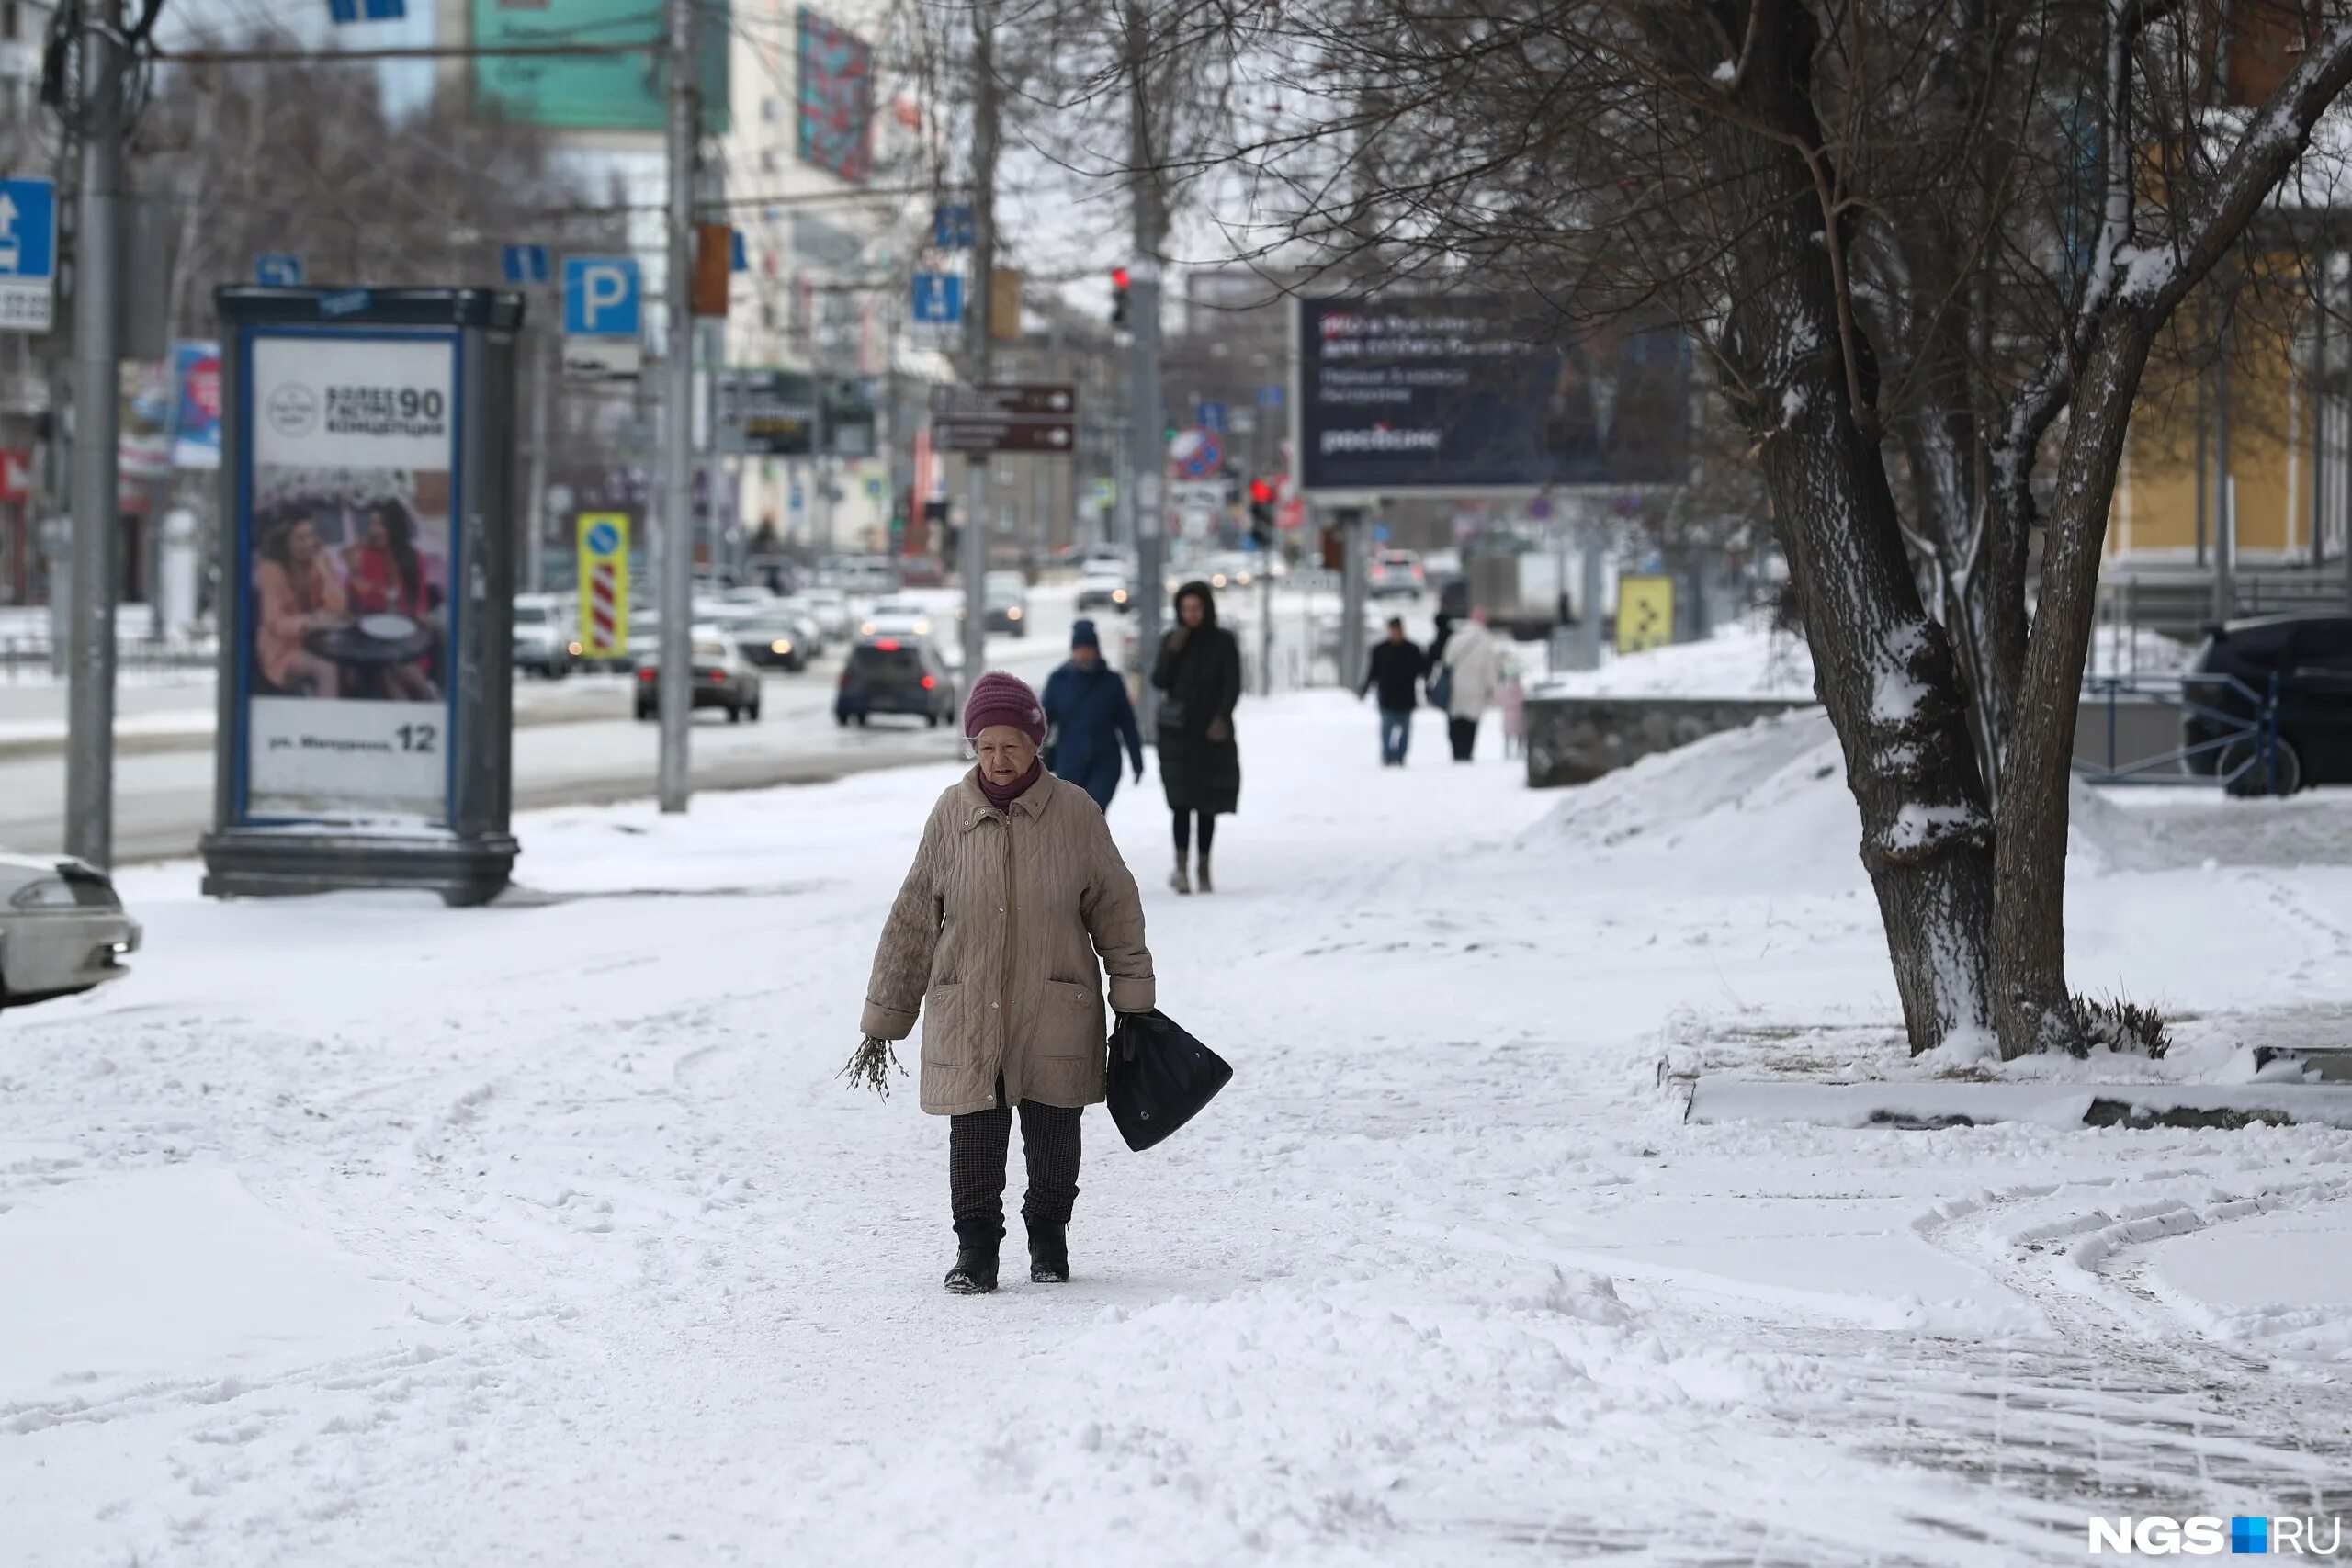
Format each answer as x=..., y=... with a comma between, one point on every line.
x=1198, y=675
x=1396, y=668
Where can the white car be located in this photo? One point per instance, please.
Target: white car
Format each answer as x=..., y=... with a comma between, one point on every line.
x=897, y=617
x=543, y=640
x=1102, y=585
x=830, y=607
x=62, y=930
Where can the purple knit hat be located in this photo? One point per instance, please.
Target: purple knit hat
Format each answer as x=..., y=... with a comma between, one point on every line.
x=999, y=698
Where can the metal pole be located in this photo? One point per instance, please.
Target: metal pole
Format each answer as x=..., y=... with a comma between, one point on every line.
x=1265, y=623
x=534, y=525
x=1595, y=588
x=98, y=356
x=2225, y=493
x=1149, y=460
x=2319, y=420
x=1353, y=584
x=979, y=322
x=677, y=434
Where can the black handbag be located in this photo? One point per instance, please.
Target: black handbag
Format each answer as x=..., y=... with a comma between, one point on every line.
x=1161, y=1076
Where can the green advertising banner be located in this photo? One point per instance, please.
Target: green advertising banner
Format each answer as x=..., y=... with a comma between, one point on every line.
x=592, y=92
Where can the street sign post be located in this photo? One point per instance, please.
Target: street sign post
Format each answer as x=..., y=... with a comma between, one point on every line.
x=950, y=226
x=28, y=255
x=1211, y=416
x=524, y=264
x=604, y=584
x=277, y=269
x=604, y=312
x=1005, y=418
x=938, y=299
x=1197, y=453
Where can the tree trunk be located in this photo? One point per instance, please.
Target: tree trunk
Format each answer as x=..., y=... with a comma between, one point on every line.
x=2031, y=1007
x=1882, y=668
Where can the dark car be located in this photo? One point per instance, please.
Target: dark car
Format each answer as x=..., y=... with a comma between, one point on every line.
x=895, y=674
x=721, y=680
x=2310, y=658
x=773, y=642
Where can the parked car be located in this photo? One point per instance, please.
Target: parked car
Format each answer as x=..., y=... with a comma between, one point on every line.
x=2311, y=656
x=723, y=678
x=900, y=675
x=62, y=930
x=1102, y=585
x=1007, y=598
x=897, y=617
x=1397, y=574
x=922, y=571
x=544, y=645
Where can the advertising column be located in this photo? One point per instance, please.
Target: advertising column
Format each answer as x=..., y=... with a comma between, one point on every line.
x=366, y=579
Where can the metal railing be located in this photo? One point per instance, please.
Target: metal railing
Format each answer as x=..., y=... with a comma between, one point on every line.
x=2251, y=724
x=35, y=658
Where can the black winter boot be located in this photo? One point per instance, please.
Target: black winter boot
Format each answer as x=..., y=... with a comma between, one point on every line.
x=974, y=1272
x=1048, y=1255
x=1202, y=881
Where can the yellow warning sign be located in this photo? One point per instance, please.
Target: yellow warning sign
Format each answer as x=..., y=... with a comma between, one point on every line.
x=1645, y=613
x=604, y=584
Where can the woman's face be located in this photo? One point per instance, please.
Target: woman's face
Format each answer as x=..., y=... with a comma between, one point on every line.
x=303, y=544
x=1194, y=608
x=1006, y=753
x=377, y=534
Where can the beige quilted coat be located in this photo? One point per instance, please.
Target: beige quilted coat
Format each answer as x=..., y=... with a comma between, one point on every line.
x=995, y=938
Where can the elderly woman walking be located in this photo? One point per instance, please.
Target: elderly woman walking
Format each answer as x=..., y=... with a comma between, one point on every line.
x=1017, y=906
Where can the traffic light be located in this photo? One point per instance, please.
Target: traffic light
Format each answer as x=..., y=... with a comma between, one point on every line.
x=1118, y=296
x=1262, y=512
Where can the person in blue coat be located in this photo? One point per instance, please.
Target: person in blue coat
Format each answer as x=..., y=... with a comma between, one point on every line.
x=1091, y=717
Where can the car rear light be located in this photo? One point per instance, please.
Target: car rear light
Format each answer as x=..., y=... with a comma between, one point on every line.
x=885, y=647
x=645, y=675
x=717, y=675
x=930, y=682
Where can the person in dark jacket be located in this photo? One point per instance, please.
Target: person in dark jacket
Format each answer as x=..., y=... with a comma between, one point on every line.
x=1396, y=668
x=1086, y=703
x=1198, y=675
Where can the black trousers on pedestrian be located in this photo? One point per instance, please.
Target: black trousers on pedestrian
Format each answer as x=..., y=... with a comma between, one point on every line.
x=1464, y=733
x=978, y=1143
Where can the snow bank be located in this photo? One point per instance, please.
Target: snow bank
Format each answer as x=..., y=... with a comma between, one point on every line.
x=1743, y=659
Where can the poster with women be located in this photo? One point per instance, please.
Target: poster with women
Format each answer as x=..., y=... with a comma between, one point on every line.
x=347, y=542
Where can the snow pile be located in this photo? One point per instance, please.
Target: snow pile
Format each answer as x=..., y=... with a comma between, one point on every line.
x=1743, y=659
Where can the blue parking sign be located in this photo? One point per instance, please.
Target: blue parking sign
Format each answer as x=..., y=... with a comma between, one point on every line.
x=601, y=297
x=28, y=255
x=277, y=269
x=523, y=263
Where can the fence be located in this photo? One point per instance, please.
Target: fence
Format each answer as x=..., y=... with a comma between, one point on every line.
x=2227, y=734
x=35, y=658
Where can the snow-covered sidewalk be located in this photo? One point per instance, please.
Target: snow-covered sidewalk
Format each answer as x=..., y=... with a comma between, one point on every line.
x=362, y=1232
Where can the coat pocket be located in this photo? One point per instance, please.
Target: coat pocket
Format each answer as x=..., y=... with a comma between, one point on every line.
x=946, y=1034
x=1073, y=1022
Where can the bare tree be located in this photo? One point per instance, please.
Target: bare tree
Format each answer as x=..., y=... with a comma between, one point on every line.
x=1922, y=244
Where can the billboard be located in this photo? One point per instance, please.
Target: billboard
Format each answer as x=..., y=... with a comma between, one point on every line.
x=1463, y=394
x=592, y=92
x=346, y=540
x=836, y=99
x=196, y=426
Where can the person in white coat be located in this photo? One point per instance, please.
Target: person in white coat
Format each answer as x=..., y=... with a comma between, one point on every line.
x=1474, y=665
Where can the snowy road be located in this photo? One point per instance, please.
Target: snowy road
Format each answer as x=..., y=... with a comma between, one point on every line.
x=363, y=1231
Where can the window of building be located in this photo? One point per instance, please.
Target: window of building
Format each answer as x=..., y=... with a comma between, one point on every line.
x=9, y=28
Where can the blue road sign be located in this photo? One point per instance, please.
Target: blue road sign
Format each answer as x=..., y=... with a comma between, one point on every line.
x=1200, y=454
x=739, y=254
x=277, y=269
x=939, y=298
x=601, y=297
x=1270, y=395
x=340, y=11
x=523, y=263
x=1211, y=416
x=950, y=227
x=28, y=255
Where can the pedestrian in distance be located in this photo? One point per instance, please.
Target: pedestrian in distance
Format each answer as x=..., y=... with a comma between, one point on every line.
x=1394, y=670
x=1017, y=906
x=1473, y=669
x=1512, y=698
x=1089, y=719
x=1198, y=675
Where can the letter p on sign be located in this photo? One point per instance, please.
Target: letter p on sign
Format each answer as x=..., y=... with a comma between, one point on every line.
x=601, y=297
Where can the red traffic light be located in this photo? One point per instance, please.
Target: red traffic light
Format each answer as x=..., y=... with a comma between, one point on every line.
x=1119, y=277
x=1262, y=492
